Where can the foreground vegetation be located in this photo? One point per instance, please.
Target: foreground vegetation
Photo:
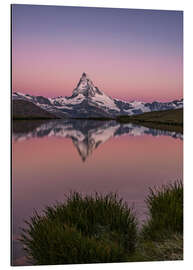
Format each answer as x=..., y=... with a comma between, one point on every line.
x=165, y=207
x=161, y=236
x=98, y=228
x=167, y=249
x=170, y=120
x=82, y=230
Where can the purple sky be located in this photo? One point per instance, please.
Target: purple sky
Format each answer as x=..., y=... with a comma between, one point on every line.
x=129, y=54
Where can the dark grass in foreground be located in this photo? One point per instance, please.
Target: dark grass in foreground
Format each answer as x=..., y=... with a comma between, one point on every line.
x=165, y=206
x=169, y=248
x=170, y=120
x=98, y=228
x=86, y=229
x=161, y=236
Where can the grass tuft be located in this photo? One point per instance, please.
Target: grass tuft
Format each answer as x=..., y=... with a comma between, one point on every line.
x=165, y=206
x=86, y=229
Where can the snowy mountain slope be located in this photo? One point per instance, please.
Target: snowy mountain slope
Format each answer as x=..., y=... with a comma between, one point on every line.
x=87, y=101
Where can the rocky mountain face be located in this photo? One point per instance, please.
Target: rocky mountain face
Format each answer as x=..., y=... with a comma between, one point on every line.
x=87, y=101
x=24, y=109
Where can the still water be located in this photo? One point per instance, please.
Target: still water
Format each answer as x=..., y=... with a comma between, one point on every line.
x=52, y=158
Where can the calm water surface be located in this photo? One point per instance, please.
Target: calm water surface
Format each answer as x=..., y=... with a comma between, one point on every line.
x=51, y=158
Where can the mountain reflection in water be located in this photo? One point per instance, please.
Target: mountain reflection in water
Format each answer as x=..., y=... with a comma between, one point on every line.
x=86, y=135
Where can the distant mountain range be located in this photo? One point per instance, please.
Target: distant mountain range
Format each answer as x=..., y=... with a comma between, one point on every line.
x=86, y=135
x=87, y=101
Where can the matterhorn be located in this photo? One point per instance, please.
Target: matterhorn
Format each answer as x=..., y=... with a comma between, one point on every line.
x=87, y=101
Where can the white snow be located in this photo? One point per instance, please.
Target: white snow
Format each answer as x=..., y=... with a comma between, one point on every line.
x=63, y=101
x=137, y=105
x=140, y=105
x=105, y=101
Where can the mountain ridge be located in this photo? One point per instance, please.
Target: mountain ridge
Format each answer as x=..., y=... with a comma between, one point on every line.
x=87, y=101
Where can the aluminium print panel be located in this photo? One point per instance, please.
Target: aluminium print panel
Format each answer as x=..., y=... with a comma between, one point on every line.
x=97, y=135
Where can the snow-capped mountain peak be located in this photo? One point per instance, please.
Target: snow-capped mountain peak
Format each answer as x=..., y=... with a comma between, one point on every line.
x=87, y=101
x=86, y=87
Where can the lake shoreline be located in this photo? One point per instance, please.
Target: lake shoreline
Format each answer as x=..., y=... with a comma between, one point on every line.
x=168, y=120
x=149, y=124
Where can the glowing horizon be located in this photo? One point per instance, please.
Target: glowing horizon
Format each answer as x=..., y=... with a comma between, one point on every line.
x=128, y=54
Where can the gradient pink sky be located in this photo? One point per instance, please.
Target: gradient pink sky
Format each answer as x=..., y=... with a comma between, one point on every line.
x=128, y=54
